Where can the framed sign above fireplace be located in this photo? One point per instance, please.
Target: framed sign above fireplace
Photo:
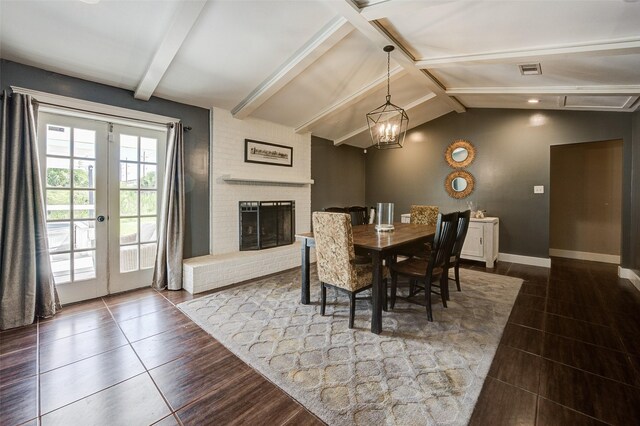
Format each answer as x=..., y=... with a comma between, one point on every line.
x=267, y=153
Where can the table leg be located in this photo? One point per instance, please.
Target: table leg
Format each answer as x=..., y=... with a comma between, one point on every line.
x=305, y=297
x=377, y=295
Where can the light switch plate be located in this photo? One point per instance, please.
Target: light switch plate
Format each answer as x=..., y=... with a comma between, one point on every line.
x=538, y=189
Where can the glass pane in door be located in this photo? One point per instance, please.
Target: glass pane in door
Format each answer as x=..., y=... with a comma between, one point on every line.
x=138, y=202
x=70, y=201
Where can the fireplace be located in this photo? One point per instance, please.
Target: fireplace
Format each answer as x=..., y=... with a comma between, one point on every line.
x=266, y=224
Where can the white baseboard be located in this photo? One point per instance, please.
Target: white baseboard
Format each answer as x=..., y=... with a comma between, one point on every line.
x=630, y=275
x=525, y=260
x=583, y=255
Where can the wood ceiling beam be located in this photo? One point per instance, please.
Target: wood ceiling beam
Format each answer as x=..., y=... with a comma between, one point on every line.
x=351, y=99
x=319, y=44
x=548, y=90
x=604, y=48
x=388, y=8
x=174, y=37
x=408, y=107
x=377, y=34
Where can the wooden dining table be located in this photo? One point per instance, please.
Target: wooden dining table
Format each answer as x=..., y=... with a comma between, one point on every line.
x=380, y=246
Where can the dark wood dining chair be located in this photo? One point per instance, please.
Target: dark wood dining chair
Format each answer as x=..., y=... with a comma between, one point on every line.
x=421, y=215
x=454, y=260
x=431, y=272
x=336, y=209
x=336, y=259
x=359, y=215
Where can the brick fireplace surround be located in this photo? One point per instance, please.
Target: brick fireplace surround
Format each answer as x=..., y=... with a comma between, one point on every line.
x=232, y=181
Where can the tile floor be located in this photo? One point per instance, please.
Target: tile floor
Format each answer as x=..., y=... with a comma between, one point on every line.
x=131, y=359
x=570, y=354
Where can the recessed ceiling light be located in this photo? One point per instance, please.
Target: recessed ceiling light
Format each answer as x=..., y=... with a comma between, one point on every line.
x=533, y=101
x=90, y=1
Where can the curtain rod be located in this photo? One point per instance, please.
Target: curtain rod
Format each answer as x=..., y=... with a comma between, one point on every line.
x=185, y=128
x=106, y=114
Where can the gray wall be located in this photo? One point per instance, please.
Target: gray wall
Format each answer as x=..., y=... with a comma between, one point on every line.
x=513, y=150
x=635, y=201
x=196, y=140
x=339, y=175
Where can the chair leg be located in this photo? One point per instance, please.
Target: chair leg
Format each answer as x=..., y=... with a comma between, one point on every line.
x=444, y=290
x=412, y=287
x=352, y=308
x=394, y=283
x=323, y=291
x=444, y=284
x=456, y=269
x=427, y=298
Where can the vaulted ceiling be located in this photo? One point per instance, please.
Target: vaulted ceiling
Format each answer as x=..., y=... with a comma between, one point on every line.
x=318, y=66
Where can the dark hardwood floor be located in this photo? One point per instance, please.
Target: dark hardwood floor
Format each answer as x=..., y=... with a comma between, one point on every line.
x=570, y=354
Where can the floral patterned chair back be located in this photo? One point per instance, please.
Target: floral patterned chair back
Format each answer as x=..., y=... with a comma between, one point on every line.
x=424, y=215
x=334, y=249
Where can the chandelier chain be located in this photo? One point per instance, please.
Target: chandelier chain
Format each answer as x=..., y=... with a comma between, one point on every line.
x=388, y=71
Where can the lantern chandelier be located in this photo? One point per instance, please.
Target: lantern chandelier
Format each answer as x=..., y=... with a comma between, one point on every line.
x=388, y=123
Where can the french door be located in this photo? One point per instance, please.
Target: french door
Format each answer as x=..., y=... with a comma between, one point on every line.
x=101, y=185
x=135, y=188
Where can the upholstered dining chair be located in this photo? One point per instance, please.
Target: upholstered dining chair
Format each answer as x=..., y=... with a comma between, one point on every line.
x=430, y=271
x=336, y=259
x=424, y=215
x=421, y=215
x=454, y=260
x=358, y=217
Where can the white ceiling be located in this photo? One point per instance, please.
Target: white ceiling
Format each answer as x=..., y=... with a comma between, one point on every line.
x=319, y=66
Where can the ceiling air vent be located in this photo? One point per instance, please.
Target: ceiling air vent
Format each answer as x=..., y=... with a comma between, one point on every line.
x=530, y=69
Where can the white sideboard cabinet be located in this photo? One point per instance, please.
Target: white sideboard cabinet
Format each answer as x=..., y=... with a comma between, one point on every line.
x=482, y=240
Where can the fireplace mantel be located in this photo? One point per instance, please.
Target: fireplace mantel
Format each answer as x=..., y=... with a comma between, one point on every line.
x=255, y=179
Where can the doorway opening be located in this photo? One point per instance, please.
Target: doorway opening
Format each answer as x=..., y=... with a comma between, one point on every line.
x=585, y=219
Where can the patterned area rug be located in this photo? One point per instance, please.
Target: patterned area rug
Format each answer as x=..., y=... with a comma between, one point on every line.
x=414, y=373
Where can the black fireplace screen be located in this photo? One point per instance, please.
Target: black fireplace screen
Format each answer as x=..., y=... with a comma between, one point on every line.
x=266, y=224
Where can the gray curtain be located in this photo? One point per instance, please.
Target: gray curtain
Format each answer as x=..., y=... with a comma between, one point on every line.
x=168, y=268
x=27, y=288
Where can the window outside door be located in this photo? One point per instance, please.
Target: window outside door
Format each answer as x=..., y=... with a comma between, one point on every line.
x=101, y=184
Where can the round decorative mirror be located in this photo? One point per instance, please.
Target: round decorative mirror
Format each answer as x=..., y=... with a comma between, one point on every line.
x=459, y=184
x=460, y=153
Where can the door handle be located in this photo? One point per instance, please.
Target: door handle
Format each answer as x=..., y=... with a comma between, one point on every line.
x=100, y=218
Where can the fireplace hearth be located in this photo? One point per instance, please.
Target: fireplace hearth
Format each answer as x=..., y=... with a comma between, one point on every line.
x=266, y=224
